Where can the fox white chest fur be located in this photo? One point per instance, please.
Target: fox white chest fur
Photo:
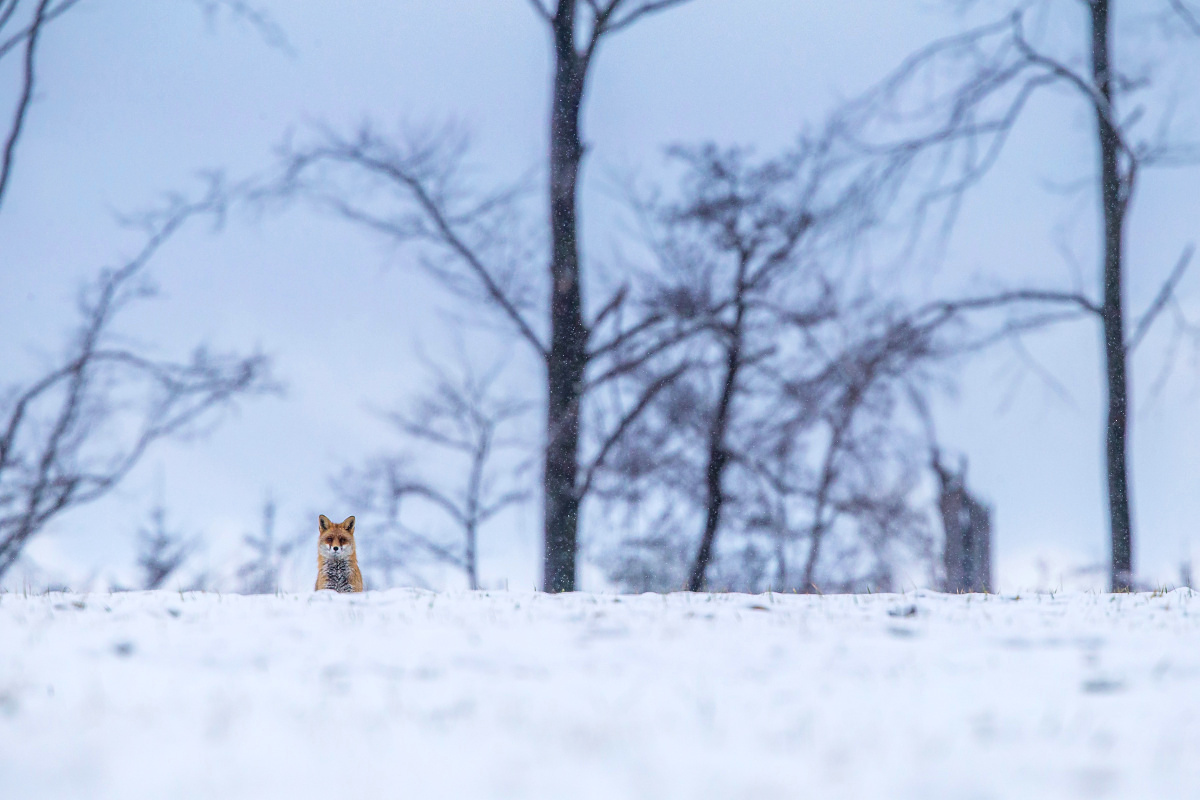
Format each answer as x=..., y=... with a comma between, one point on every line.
x=336, y=572
x=337, y=557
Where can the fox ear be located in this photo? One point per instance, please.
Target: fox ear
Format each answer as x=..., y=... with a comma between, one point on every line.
x=349, y=525
x=323, y=523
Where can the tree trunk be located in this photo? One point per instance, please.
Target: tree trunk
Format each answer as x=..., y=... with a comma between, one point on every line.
x=817, y=531
x=1114, y=197
x=566, y=359
x=980, y=516
x=718, y=453
x=483, y=448
x=472, y=559
x=718, y=458
x=967, y=524
x=781, y=567
x=829, y=473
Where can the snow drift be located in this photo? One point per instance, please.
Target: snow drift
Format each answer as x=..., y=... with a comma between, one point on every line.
x=503, y=695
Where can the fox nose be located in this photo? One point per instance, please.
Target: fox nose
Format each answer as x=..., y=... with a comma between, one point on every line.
x=335, y=548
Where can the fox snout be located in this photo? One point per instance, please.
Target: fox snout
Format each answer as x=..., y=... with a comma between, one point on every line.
x=337, y=549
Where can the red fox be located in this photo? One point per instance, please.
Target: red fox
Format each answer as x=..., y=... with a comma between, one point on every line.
x=337, y=562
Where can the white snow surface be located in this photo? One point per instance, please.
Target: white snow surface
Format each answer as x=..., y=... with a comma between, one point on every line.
x=412, y=694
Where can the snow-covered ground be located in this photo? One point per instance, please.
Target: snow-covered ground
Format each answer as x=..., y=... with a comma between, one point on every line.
x=408, y=694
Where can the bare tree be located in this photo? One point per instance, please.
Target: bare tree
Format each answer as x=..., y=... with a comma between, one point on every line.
x=820, y=489
x=575, y=43
x=788, y=412
x=161, y=551
x=259, y=574
x=463, y=418
x=966, y=93
x=785, y=413
x=70, y=436
x=466, y=230
x=858, y=420
x=726, y=246
x=740, y=209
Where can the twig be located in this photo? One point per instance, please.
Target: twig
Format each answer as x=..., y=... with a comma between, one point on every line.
x=1160, y=300
x=14, y=133
x=647, y=397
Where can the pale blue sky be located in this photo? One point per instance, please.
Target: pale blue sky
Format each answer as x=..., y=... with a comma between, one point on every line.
x=136, y=97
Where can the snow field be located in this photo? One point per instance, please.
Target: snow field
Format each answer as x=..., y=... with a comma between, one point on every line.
x=411, y=694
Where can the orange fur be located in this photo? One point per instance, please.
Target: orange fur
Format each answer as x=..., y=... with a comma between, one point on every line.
x=334, y=570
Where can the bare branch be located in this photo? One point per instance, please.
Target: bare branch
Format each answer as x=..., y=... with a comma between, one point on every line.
x=66, y=441
x=1089, y=90
x=541, y=10
x=460, y=413
x=422, y=174
x=649, y=392
x=14, y=131
x=421, y=489
x=615, y=24
x=502, y=502
x=263, y=23
x=442, y=553
x=612, y=306
x=46, y=11
x=7, y=7
x=631, y=362
x=936, y=312
x=623, y=338
x=607, y=19
x=1165, y=293
x=33, y=29
x=1186, y=14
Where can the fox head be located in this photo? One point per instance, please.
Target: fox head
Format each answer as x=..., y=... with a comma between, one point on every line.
x=336, y=541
